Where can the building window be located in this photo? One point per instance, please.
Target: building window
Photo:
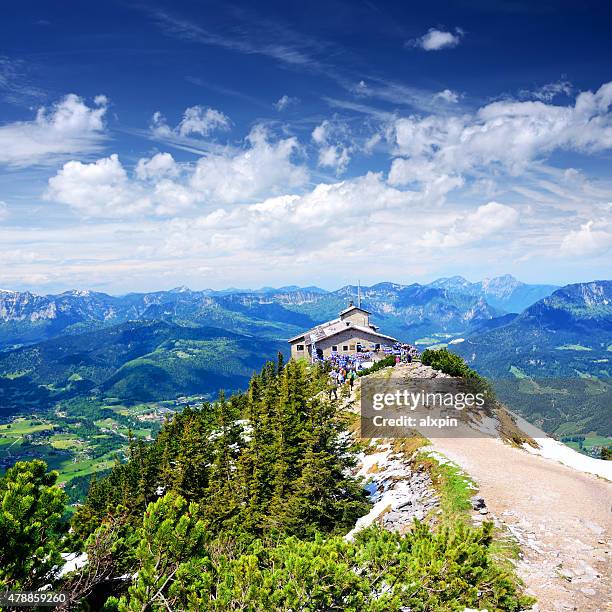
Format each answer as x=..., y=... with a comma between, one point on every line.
x=300, y=347
x=377, y=347
x=345, y=347
x=352, y=347
x=335, y=349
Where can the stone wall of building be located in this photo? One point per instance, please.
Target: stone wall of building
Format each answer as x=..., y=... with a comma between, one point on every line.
x=344, y=343
x=357, y=317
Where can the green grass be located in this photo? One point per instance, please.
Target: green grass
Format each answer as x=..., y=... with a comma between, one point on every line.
x=505, y=549
x=69, y=470
x=589, y=442
x=454, y=488
x=22, y=427
x=573, y=347
x=517, y=372
x=107, y=423
x=14, y=375
x=66, y=441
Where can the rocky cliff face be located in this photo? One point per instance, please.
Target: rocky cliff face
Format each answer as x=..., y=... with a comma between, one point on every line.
x=16, y=306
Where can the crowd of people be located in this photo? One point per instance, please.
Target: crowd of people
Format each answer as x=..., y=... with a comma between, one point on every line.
x=339, y=377
x=345, y=368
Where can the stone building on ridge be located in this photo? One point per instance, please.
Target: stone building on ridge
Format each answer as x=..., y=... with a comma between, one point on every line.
x=351, y=333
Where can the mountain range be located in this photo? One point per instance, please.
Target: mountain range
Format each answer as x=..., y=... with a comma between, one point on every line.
x=159, y=345
x=406, y=311
x=503, y=292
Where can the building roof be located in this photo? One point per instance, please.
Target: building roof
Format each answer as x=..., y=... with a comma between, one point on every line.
x=353, y=307
x=331, y=328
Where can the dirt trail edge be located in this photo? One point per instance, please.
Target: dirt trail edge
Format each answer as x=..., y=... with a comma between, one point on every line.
x=561, y=517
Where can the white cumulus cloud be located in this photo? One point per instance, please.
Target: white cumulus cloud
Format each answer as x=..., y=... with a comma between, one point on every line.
x=101, y=188
x=508, y=135
x=335, y=145
x=448, y=96
x=264, y=168
x=436, y=39
x=486, y=221
x=160, y=186
x=196, y=120
x=69, y=127
x=158, y=166
x=285, y=102
x=592, y=239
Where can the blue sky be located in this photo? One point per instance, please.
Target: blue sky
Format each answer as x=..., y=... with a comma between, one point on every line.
x=149, y=145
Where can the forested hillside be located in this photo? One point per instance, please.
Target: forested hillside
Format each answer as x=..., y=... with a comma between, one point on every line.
x=553, y=363
x=135, y=361
x=242, y=504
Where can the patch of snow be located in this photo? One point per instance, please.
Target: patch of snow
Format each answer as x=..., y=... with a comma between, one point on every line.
x=398, y=493
x=366, y=462
x=72, y=562
x=441, y=459
x=365, y=521
x=553, y=449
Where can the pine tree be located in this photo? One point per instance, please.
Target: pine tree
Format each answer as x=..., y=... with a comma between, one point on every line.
x=324, y=497
x=171, y=536
x=31, y=531
x=223, y=493
x=289, y=420
x=252, y=469
x=193, y=458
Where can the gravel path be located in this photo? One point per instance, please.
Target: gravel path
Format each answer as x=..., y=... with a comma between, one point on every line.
x=561, y=518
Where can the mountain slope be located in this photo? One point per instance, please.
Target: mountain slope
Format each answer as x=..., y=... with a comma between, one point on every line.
x=135, y=361
x=568, y=331
x=505, y=292
x=553, y=363
x=25, y=318
x=405, y=311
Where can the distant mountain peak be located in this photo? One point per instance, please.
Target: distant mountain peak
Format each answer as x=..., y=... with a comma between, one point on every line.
x=78, y=292
x=501, y=285
x=457, y=278
x=451, y=282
